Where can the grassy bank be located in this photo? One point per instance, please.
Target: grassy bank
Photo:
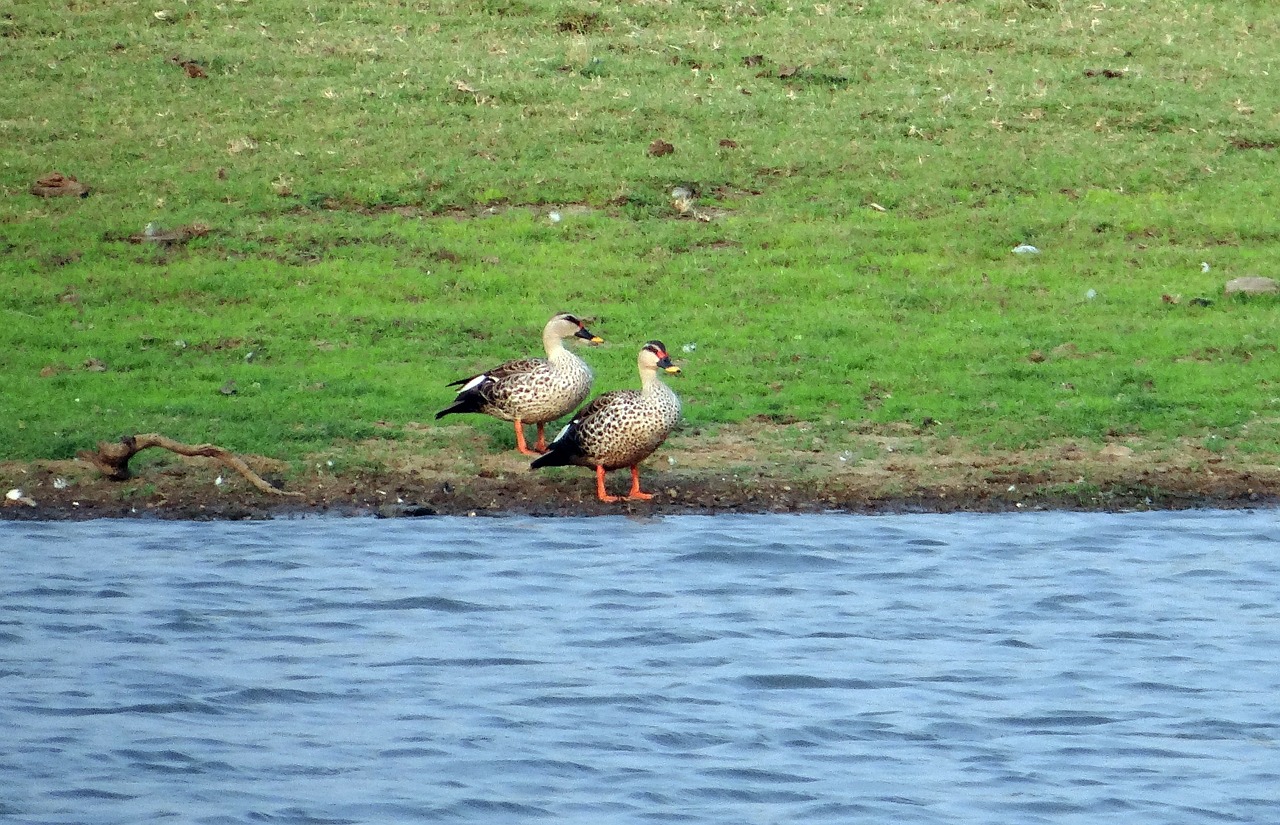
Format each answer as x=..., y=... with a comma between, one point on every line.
x=368, y=188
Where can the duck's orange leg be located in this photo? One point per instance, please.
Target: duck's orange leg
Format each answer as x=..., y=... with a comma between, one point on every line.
x=603, y=496
x=635, y=493
x=520, y=443
x=541, y=444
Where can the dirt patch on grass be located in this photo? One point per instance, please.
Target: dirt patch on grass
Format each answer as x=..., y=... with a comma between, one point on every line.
x=457, y=470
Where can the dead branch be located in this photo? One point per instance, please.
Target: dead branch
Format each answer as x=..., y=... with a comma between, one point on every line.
x=112, y=458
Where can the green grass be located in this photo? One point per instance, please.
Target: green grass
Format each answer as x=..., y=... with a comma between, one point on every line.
x=377, y=180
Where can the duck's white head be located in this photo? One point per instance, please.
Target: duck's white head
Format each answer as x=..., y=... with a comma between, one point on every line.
x=653, y=356
x=566, y=325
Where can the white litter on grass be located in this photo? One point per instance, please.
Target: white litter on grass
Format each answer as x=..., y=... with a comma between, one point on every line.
x=554, y=217
x=16, y=496
x=690, y=347
x=60, y=484
x=1204, y=266
x=1025, y=249
x=1091, y=294
x=218, y=481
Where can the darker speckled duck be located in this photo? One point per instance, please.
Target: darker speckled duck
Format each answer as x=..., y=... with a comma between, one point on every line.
x=621, y=428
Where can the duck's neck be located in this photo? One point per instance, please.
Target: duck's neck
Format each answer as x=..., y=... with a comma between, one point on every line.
x=563, y=358
x=554, y=345
x=649, y=381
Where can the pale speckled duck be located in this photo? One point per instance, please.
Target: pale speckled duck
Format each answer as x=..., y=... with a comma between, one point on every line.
x=531, y=390
x=621, y=428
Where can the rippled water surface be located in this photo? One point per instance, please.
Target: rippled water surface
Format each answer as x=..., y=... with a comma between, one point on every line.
x=1030, y=668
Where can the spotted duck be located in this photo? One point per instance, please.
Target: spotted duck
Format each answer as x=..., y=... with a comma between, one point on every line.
x=531, y=390
x=621, y=428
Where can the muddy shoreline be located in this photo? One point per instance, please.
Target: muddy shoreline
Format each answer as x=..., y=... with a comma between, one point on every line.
x=396, y=479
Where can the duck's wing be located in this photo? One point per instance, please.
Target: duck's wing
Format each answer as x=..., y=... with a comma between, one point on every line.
x=602, y=402
x=506, y=370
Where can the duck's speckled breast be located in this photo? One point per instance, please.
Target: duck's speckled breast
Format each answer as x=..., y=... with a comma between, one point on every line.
x=551, y=391
x=628, y=432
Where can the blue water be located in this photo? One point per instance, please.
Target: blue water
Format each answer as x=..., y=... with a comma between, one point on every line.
x=1065, y=668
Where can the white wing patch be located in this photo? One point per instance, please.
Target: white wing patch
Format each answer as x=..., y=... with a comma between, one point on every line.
x=474, y=382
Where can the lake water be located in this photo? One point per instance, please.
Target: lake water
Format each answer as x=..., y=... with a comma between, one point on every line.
x=1024, y=668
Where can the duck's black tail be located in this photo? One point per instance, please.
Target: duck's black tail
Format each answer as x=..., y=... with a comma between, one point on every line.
x=467, y=402
x=562, y=452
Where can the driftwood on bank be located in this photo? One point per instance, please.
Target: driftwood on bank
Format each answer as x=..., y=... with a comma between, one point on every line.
x=112, y=458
